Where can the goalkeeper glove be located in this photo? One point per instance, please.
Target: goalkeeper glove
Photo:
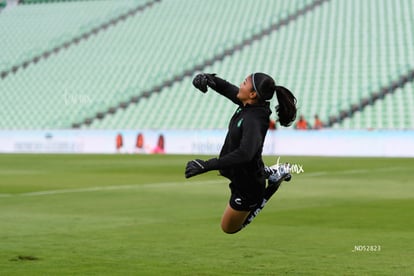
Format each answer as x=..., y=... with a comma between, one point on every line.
x=201, y=81
x=197, y=166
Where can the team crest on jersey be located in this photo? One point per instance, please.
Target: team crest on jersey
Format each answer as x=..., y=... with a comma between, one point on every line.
x=239, y=122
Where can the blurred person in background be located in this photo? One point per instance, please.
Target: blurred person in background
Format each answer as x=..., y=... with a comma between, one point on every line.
x=139, y=143
x=159, y=148
x=317, y=123
x=302, y=124
x=272, y=124
x=119, y=142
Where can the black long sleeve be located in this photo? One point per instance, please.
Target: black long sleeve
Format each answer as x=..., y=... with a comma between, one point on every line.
x=226, y=89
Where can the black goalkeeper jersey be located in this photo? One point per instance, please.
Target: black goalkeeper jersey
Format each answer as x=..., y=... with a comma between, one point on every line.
x=241, y=155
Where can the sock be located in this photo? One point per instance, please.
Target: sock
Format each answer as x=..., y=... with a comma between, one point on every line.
x=269, y=192
x=271, y=189
x=253, y=214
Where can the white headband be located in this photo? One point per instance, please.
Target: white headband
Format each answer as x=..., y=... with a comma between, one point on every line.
x=254, y=85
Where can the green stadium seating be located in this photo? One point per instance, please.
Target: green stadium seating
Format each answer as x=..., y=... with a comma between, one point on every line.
x=134, y=56
x=331, y=58
x=46, y=1
x=394, y=111
x=28, y=30
x=325, y=66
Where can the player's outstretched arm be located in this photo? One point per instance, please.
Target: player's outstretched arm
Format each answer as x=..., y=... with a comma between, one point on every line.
x=203, y=81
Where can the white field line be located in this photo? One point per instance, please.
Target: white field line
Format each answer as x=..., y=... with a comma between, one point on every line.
x=338, y=172
x=360, y=171
x=20, y=172
x=112, y=188
x=316, y=173
x=164, y=184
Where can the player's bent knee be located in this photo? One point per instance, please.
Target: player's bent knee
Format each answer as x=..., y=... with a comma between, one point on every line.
x=230, y=230
x=232, y=220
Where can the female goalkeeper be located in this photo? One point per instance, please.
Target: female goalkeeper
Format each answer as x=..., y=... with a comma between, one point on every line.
x=240, y=158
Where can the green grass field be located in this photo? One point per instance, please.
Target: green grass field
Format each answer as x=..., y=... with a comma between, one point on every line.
x=138, y=215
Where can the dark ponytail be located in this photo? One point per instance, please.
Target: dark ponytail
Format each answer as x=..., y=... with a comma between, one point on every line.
x=286, y=110
x=265, y=87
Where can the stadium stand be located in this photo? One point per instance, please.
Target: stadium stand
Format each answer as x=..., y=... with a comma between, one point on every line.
x=46, y=27
x=42, y=88
x=126, y=60
x=45, y=1
x=393, y=111
x=137, y=73
x=360, y=66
